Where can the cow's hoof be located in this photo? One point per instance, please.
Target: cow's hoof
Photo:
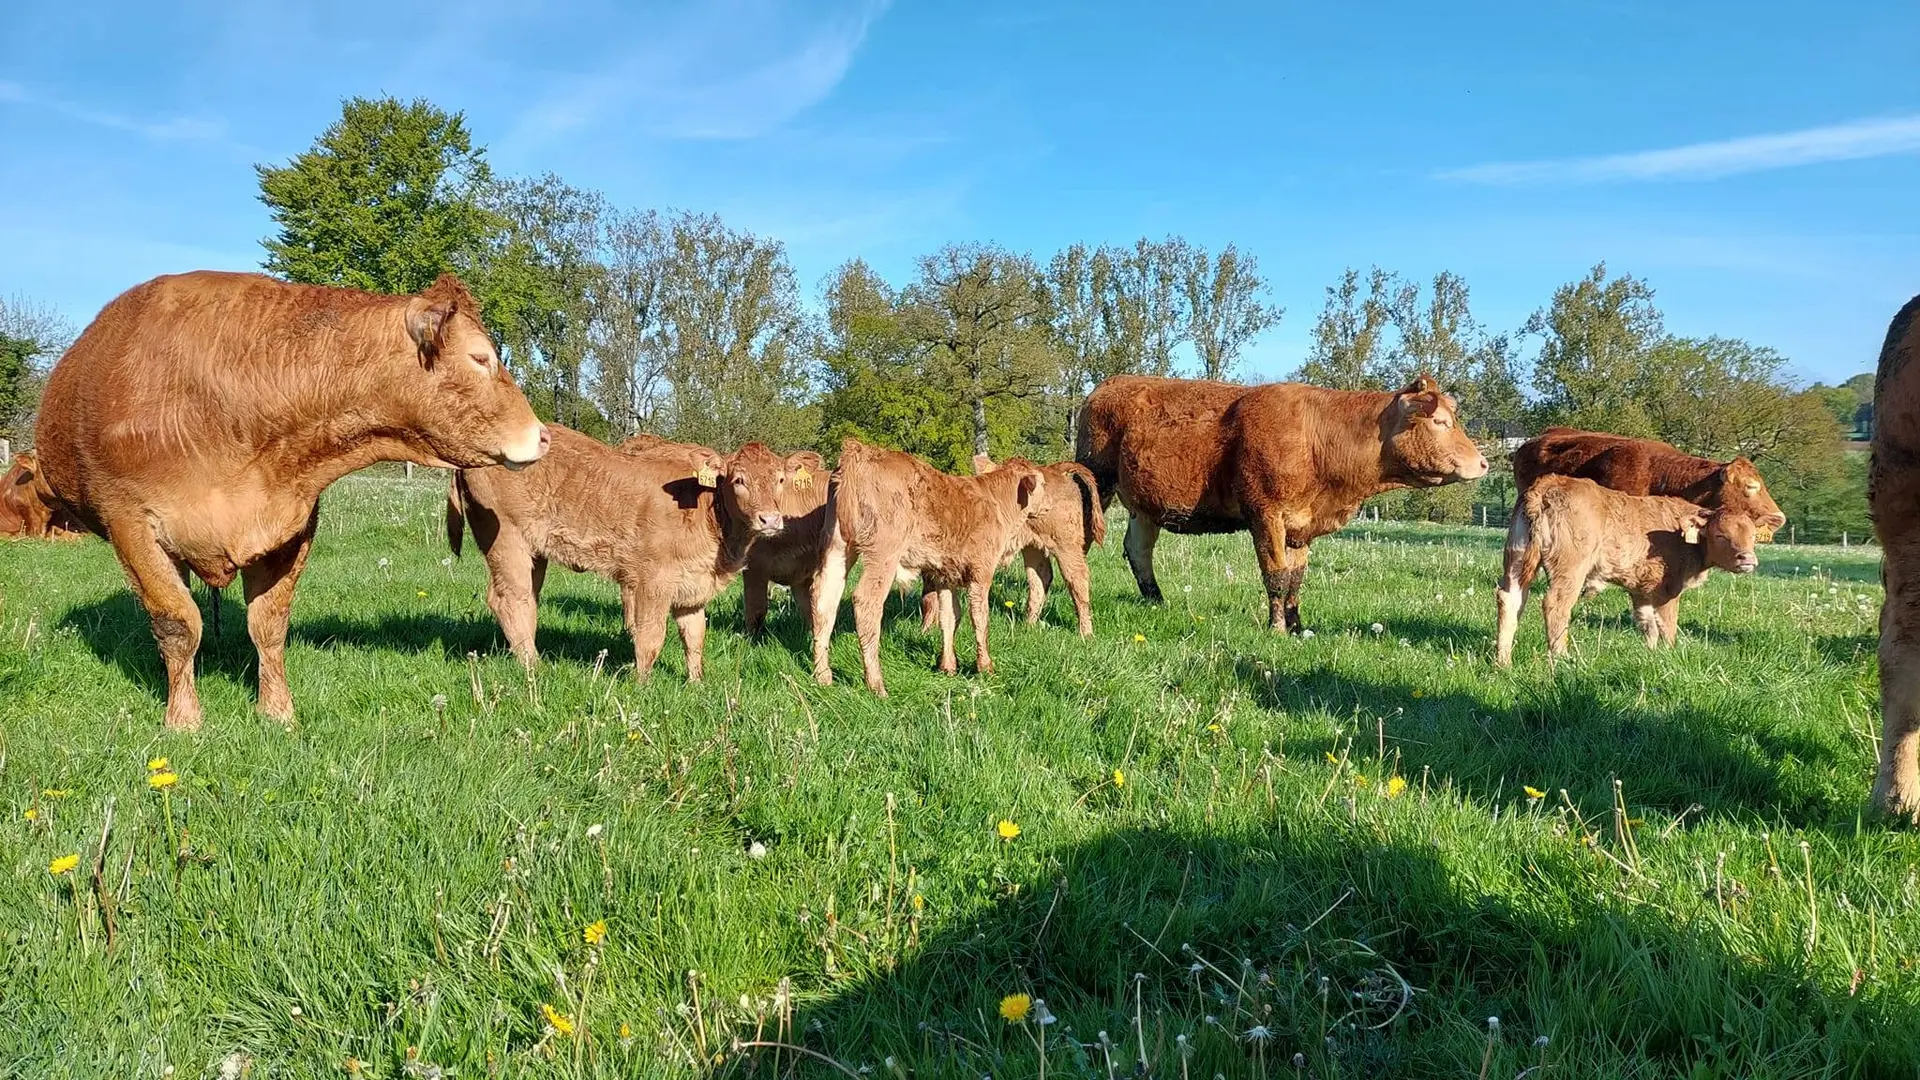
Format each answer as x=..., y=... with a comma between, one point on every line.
x=183, y=719
x=823, y=678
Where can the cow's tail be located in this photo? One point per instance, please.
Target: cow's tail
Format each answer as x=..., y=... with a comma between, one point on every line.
x=456, y=512
x=1092, y=510
x=1102, y=464
x=1527, y=537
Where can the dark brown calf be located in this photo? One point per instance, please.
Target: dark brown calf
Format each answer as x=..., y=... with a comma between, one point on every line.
x=28, y=508
x=670, y=523
x=1648, y=467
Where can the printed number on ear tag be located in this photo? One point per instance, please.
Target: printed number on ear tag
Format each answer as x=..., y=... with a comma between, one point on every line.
x=802, y=477
x=708, y=476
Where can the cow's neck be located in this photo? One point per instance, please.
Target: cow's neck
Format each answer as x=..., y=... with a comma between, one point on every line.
x=1695, y=479
x=735, y=534
x=345, y=417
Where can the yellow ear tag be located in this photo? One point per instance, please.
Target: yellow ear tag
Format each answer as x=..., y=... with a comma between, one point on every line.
x=708, y=476
x=802, y=477
x=1763, y=534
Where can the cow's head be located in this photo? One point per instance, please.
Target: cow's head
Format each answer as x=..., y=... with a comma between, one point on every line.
x=471, y=415
x=1728, y=537
x=27, y=507
x=1424, y=443
x=751, y=483
x=1741, y=488
x=807, y=480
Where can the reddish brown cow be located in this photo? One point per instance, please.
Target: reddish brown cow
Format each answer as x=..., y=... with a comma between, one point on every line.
x=1289, y=462
x=670, y=523
x=1588, y=537
x=197, y=419
x=1061, y=525
x=792, y=557
x=1893, y=492
x=1647, y=467
x=28, y=508
x=906, y=517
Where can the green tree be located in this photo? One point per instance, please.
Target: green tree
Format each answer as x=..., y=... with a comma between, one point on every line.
x=629, y=376
x=31, y=336
x=982, y=314
x=387, y=198
x=1349, y=337
x=1225, y=308
x=874, y=388
x=1592, y=370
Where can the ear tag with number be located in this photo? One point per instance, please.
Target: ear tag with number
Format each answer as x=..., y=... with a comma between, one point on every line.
x=708, y=475
x=802, y=477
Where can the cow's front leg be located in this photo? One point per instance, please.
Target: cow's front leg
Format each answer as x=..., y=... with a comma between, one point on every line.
x=1270, y=548
x=647, y=621
x=269, y=586
x=1294, y=558
x=1142, y=534
x=693, y=635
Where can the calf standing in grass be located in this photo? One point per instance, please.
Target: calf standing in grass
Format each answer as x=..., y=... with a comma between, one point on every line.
x=670, y=523
x=1893, y=492
x=1061, y=525
x=1588, y=536
x=791, y=557
x=904, y=516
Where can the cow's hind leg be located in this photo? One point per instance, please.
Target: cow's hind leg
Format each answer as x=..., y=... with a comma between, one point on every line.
x=1073, y=567
x=929, y=606
x=753, y=602
x=269, y=583
x=1520, y=565
x=176, y=617
x=647, y=621
x=869, y=606
x=1276, y=568
x=828, y=586
x=980, y=610
x=1896, y=789
x=1039, y=579
x=693, y=635
x=942, y=600
x=1142, y=534
x=1562, y=593
x=1294, y=559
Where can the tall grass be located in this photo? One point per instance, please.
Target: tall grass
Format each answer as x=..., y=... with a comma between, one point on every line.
x=1236, y=853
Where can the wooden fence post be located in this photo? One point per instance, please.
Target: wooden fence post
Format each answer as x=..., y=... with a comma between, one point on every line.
x=6, y=453
x=409, y=470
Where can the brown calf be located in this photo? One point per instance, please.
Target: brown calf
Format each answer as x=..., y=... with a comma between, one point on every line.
x=1893, y=492
x=1587, y=537
x=904, y=517
x=792, y=556
x=197, y=419
x=28, y=509
x=670, y=523
x=1061, y=526
x=1648, y=467
x=1289, y=462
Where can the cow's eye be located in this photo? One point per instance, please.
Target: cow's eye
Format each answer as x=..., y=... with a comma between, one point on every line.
x=481, y=358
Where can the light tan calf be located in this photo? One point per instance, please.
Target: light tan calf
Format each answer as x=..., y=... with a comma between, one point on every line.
x=670, y=523
x=904, y=516
x=1587, y=537
x=791, y=558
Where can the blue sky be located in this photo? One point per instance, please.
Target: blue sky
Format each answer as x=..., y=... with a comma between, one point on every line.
x=1757, y=162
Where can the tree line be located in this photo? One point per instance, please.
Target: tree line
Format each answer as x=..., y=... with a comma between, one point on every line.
x=620, y=320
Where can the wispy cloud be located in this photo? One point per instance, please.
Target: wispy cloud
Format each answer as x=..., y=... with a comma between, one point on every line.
x=1851, y=141
x=731, y=72
x=178, y=128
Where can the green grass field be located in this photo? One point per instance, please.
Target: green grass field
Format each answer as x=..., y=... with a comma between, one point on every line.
x=1237, y=854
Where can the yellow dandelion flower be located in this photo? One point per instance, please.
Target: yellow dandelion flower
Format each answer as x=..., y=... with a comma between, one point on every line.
x=625, y=1031
x=1331, y=759
x=1533, y=792
x=421, y=593
x=1008, y=604
x=157, y=764
x=161, y=781
x=1007, y=829
x=919, y=902
x=1119, y=778
x=1360, y=780
x=560, y=1022
x=1395, y=786
x=1419, y=693
x=63, y=865
x=595, y=933
x=1215, y=728
x=1015, y=1007
x=1137, y=638
x=56, y=793
x=33, y=813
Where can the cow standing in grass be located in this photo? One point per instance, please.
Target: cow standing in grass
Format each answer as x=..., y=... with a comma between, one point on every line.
x=1648, y=467
x=1893, y=492
x=1288, y=462
x=792, y=556
x=670, y=523
x=1588, y=537
x=196, y=421
x=1061, y=526
x=906, y=518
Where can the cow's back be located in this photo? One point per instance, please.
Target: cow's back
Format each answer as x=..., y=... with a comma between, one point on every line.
x=1157, y=443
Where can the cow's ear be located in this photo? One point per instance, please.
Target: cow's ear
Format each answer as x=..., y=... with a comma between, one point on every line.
x=1767, y=525
x=1422, y=383
x=1030, y=488
x=712, y=466
x=1420, y=403
x=427, y=325
x=1690, y=528
x=982, y=464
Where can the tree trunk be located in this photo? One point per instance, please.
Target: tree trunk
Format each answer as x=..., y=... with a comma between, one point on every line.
x=979, y=421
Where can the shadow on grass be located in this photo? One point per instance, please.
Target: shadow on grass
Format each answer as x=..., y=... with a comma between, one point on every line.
x=1579, y=730
x=1352, y=945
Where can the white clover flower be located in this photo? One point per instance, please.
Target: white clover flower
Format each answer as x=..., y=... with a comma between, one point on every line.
x=756, y=850
x=594, y=830
x=1377, y=628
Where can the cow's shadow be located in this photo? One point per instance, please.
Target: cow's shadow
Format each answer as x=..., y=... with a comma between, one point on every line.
x=1572, y=732
x=1337, y=940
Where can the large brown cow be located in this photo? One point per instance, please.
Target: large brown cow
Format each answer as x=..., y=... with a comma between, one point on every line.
x=903, y=516
x=1062, y=525
x=1289, y=462
x=792, y=557
x=1588, y=537
x=197, y=419
x=1647, y=467
x=670, y=523
x=1893, y=492
x=28, y=508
